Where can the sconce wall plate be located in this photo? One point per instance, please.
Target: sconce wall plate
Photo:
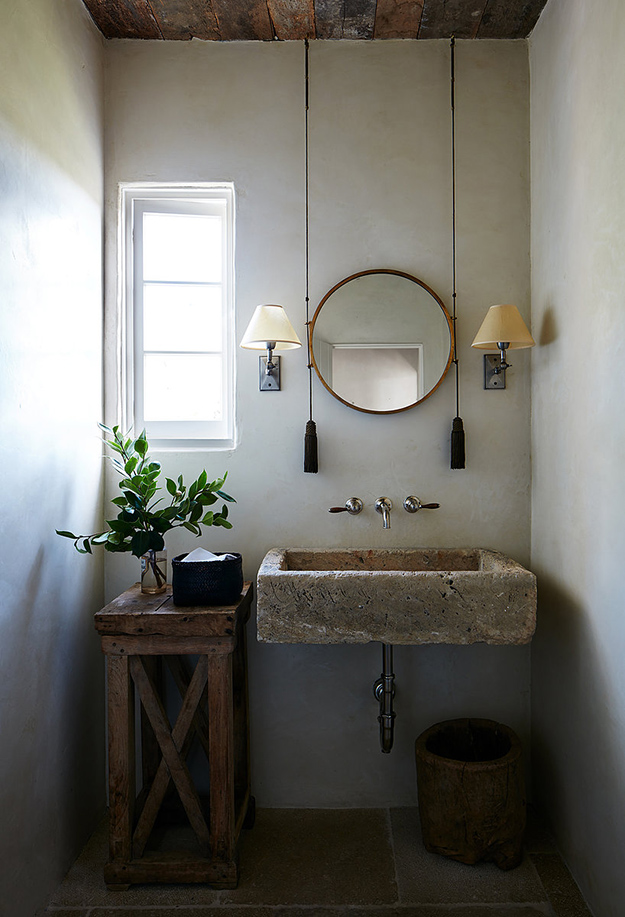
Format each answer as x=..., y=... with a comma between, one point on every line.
x=269, y=382
x=492, y=379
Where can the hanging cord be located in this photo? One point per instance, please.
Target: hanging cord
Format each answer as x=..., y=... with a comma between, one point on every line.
x=457, y=428
x=311, y=463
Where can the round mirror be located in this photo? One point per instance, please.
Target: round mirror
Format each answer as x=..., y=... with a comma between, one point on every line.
x=381, y=341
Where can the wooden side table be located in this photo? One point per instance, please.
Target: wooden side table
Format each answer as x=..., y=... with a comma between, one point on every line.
x=139, y=634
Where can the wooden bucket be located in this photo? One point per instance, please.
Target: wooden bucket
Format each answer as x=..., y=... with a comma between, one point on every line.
x=472, y=791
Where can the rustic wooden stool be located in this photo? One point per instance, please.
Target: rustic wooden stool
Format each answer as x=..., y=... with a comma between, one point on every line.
x=138, y=633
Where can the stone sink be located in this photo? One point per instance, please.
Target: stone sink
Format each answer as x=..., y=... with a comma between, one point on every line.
x=395, y=596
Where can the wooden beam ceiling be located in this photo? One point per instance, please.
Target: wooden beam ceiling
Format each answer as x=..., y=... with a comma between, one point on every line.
x=294, y=20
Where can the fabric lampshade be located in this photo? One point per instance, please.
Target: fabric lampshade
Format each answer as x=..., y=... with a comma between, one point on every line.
x=503, y=323
x=270, y=323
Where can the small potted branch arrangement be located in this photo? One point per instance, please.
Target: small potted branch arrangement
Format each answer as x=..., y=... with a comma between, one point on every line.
x=142, y=520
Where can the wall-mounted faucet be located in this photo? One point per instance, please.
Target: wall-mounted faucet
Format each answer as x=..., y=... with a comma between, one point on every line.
x=413, y=505
x=353, y=506
x=384, y=506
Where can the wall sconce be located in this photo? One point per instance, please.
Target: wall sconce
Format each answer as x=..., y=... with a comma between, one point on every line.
x=270, y=329
x=503, y=328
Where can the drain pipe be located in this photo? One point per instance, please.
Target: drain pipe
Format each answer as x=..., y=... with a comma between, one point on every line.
x=384, y=692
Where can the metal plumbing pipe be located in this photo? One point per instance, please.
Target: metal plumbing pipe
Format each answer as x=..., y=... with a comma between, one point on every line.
x=384, y=691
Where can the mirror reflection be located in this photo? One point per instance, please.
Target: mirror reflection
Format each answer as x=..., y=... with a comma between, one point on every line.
x=381, y=341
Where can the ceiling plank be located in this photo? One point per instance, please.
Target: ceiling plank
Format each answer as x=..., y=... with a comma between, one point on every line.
x=398, y=18
x=358, y=18
x=329, y=19
x=444, y=18
x=502, y=19
x=292, y=19
x=184, y=19
x=123, y=18
x=243, y=20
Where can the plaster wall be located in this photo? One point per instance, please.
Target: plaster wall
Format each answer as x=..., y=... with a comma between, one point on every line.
x=51, y=676
x=380, y=197
x=578, y=435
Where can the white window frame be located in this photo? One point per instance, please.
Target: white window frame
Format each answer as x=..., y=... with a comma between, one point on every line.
x=136, y=199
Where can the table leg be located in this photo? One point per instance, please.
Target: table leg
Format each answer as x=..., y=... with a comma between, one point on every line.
x=121, y=715
x=221, y=759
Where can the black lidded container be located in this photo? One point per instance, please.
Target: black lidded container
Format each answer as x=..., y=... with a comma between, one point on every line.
x=207, y=582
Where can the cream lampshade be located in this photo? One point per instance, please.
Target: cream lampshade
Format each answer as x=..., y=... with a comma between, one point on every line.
x=503, y=329
x=270, y=329
x=503, y=324
x=270, y=324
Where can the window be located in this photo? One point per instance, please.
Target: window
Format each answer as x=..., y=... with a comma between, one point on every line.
x=179, y=335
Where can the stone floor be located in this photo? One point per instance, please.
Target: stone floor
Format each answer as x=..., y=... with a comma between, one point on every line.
x=332, y=862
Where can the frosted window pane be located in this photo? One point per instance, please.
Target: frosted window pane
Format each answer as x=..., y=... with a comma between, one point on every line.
x=178, y=246
x=182, y=387
x=181, y=317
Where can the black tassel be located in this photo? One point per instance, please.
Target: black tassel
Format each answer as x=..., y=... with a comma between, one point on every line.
x=311, y=464
x=457, y=443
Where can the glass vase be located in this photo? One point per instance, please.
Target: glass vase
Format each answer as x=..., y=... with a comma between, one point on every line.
x=154, y=572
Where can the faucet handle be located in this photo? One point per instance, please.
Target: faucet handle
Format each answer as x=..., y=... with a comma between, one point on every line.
x=353, y=506
x=413, y=505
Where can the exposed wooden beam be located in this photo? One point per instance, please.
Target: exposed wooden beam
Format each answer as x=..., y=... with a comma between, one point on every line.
x=243, y=20
x=398, y=18
x=263, y=20
x=329, y=18
x=185, y=19
x=451, y=17
x=503, y=19
x=124, y=18
x=358, y=18
x=292, y=19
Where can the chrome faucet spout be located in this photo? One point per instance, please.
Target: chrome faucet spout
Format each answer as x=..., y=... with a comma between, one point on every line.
x=384, y=506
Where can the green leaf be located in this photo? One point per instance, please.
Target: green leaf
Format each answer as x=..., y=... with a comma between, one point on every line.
x=201, y=481
x=156, y=541
x=208, y=519
x=196, y=512
x=225, y=496
x=66, y=534
x=135, y=500
x=141, y=445
x=87, y=546
x=192, y=528
x=140, y=543
x=131, y=464
x=100, y=539
x=206, y=499
x=120, y=501
x=119, y=525
x=171, y=487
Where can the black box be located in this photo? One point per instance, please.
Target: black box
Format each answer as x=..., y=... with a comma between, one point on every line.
x=207, y=582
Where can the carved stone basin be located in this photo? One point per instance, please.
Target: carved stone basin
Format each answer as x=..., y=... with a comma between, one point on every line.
x=396, y=596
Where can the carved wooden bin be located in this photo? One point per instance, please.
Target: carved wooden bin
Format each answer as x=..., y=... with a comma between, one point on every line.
x=472, y=791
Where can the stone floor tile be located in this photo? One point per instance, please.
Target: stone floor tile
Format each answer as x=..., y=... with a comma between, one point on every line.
x=64, y=912
x=84, y=884
x=426, y=878
x=566, y=898
x=512, y=910
x=316, y=857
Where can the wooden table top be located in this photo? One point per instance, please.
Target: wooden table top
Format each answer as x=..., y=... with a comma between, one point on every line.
x=134, y=612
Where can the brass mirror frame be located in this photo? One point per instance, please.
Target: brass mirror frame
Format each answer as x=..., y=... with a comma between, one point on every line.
x=420, y=283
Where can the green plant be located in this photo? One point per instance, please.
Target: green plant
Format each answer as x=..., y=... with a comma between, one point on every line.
x=141, y=523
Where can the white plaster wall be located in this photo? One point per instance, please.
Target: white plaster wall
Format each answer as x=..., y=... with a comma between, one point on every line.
x=380, y=197
x=578, y=504
x=51, y=677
